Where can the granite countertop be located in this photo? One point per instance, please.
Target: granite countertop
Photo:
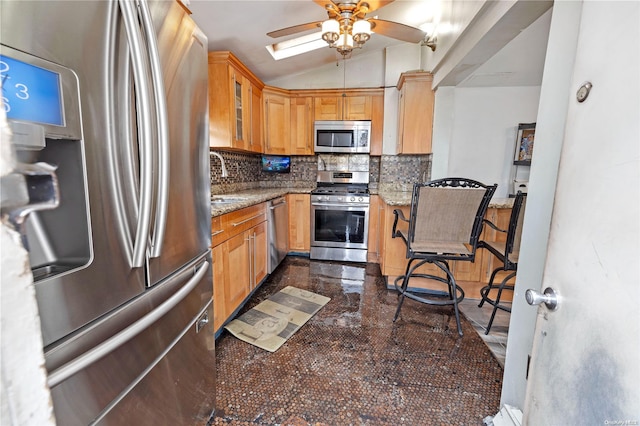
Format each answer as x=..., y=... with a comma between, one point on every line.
x=403, y=198
x=251, y=197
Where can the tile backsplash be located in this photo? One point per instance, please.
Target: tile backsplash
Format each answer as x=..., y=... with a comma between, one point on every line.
x=389, y=172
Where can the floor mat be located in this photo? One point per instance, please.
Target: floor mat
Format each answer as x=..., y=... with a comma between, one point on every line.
x=272, y=322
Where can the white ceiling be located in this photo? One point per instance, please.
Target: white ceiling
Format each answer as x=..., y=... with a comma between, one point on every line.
x=241, y=27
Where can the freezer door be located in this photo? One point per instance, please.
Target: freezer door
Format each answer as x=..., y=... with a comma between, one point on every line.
x=151, y=359
x=183, y=58
x=114, y=161
x=95, y=50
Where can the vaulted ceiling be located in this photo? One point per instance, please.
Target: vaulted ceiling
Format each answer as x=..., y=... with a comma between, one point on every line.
x=242, y=27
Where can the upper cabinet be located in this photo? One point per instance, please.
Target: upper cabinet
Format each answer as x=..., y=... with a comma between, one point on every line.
x=415, y=113
x=327, y=108
x=301, y=125
x=377, y=121
x=342, y=106
x=277, y=117
x=235, y=104
x=255, y=138
x=246, y=115
x=356, y=107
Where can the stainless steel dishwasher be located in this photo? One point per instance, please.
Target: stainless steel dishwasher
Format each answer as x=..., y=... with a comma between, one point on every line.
x=278, y=231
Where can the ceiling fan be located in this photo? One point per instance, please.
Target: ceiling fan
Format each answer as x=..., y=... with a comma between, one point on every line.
x=348, y=27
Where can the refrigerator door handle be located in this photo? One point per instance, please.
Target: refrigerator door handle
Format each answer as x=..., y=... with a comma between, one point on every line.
x=145, y=128
x=162, y=120
x=72, y=367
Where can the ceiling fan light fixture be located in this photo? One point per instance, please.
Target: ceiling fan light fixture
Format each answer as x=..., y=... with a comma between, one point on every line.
x=361, y=31
x=345, y=44
x=330, y=31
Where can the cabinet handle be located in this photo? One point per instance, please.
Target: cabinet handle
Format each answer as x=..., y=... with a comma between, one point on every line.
x=253, y=261
x=217, y=233
x=247, y=220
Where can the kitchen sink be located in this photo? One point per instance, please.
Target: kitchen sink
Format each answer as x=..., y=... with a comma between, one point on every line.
x=218, y=201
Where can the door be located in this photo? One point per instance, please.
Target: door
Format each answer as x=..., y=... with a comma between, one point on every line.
x=259, y=254
x=301, y=126
x=277, y=115
x=584, y=365
x=357, y=108
x=69, y=301
x=237, y=270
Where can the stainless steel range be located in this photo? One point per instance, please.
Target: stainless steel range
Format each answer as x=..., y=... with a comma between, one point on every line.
x=340, y=216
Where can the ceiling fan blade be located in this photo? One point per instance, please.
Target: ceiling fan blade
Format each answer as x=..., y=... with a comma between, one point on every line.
x=295, y=29
x=396, y=30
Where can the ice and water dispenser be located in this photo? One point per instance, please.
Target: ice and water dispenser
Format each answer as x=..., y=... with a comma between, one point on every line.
x=46, y=196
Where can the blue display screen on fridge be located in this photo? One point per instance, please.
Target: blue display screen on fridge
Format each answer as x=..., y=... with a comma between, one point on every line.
x=30, y=93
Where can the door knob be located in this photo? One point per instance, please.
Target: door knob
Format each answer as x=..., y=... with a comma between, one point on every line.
x=549, y=297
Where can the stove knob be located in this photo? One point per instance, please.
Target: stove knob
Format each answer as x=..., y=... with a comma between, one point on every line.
x=353, y=199
x=360, y=199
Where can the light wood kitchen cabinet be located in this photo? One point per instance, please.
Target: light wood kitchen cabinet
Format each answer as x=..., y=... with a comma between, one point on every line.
x=327, y=108
x=232, y=88
x=254, y=137
x=259, y=249
x=299, y=222
x=301, y=126
x=377, y=123
x=237, y=272
x=240, y=262
x=415, y=113
x=356, y=108
x=373, y=243
x=277, y=117
x=219, y=299
x=343, y=106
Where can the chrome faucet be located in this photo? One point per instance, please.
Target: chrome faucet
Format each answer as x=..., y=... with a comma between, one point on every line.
x=224, y=168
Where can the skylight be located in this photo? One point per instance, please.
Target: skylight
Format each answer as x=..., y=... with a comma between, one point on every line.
x=296, y=46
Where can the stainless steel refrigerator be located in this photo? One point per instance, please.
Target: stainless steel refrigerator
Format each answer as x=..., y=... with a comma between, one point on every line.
x=114, y=95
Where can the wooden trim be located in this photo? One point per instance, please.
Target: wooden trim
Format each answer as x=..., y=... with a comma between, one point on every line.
x=414, y=76
x=225, y=56
x=184, y=7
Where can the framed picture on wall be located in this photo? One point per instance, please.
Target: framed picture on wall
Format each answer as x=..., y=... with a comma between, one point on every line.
x=524, y=144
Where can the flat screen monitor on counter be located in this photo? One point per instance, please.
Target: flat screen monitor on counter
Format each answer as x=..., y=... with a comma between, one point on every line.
x=276, y=163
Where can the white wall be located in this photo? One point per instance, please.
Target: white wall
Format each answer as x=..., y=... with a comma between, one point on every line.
x=478, y=126
x=24, y=394
x=366, y=70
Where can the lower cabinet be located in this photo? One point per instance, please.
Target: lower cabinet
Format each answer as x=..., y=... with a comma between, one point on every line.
x=240, y=260
x=299, y=222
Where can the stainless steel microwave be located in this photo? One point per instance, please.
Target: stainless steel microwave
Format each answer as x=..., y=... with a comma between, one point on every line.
x=342, y=136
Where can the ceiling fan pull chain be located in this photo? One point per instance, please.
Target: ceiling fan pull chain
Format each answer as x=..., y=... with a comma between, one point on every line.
x=344, y=73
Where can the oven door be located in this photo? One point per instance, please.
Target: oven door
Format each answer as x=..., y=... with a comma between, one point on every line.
x=339, y=225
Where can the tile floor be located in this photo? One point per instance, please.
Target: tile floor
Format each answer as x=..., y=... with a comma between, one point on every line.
x=351, y=365
x=496, y=340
